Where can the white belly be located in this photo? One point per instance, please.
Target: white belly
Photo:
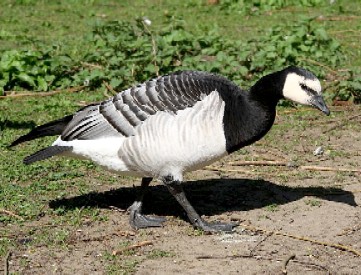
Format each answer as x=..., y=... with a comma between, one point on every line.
x=174, y=143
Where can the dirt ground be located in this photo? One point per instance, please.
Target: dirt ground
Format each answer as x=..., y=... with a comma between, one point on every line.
x=311, y=218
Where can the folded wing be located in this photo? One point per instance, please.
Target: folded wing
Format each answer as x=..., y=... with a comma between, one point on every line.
x=120, y=115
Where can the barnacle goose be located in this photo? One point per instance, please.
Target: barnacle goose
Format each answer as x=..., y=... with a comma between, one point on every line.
x=173, y=124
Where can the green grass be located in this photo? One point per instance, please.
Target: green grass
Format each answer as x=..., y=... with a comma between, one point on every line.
x=313, y=202
x=27, y=190
x=26, y=24
x=272, y=207
x=120, y=265
x=157, y=253
x=66, y=21
x=69, y=43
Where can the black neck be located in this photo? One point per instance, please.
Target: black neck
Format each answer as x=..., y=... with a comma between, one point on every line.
x=268, y=90
x=255, y=112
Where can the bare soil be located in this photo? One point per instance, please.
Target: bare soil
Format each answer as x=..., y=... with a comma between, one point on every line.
x=285, y=213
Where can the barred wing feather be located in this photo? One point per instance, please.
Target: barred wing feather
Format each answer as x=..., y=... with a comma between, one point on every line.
x=120, y=115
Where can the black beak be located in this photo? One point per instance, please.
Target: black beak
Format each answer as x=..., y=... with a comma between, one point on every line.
x=318, y=102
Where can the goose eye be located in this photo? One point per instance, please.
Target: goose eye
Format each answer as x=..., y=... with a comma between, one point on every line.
x=308, y=89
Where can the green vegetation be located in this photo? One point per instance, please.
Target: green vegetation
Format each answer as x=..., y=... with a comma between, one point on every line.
x=256, y=7
x=124, y=52
x=157, y=253
x=119, y=265
x=313, y=202
x=50, y=45
x=272, y=207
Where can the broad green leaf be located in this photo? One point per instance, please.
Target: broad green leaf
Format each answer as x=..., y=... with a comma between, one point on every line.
x=27, y=79
x=42, y=85
x=321, y=33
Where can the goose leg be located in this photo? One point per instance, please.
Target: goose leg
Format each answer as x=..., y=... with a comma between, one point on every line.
x=136, y=218
x=176, y=189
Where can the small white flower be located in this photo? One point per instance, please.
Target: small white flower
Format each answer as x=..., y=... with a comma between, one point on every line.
x=147, y=21
x=86, y=82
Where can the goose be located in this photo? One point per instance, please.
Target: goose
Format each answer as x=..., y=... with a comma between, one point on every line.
x=174, y=124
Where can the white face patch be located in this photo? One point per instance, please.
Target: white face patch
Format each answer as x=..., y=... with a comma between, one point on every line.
x=296, y=86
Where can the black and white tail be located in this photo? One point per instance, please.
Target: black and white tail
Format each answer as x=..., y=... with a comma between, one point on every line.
x=46, y=153
x=52, y=128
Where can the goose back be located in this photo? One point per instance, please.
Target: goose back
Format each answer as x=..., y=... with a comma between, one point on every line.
x=122, y=114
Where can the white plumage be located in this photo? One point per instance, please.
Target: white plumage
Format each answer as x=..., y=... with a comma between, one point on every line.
x=165, y=142
x=176, y=142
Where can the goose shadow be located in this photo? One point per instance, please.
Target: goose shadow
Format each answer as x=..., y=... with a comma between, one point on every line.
x=17, y=124
x=209, y=197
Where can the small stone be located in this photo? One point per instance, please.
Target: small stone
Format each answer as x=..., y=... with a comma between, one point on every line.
x=319, y=151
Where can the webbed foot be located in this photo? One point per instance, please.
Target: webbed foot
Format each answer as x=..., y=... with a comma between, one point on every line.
x=138, y=220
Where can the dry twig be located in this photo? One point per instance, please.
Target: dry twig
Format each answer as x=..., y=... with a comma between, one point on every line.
x=337, y=18
x=302, y=238
x=320, y=64
x=109, y=87
x=6, y=263
x=320, y=267
x=9, y=213
x=117, y=209
x=258, y=244
x=287, y=164
x=126, y=233
x=344, y=31
x=121, y=251
x=348, y=231
x=216, y=169
x=285, y=263
x=92, y=66
x=70, y=90
x=258, y=163
x=208, y=257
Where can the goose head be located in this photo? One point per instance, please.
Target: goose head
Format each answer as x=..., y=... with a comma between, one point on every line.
x=301, y=86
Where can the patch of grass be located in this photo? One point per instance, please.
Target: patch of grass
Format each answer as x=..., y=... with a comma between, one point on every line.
x=158, y=253
x=332, y=154
x=76, y=217
x=272, y=207
x=283, y=177
x=128, y=266
x=120, y=265
x=195, y=232
x=342, y=177
x=263, y=217
x=51, y=237
x=60, y=237
x=6, y=244
x=313, y=202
